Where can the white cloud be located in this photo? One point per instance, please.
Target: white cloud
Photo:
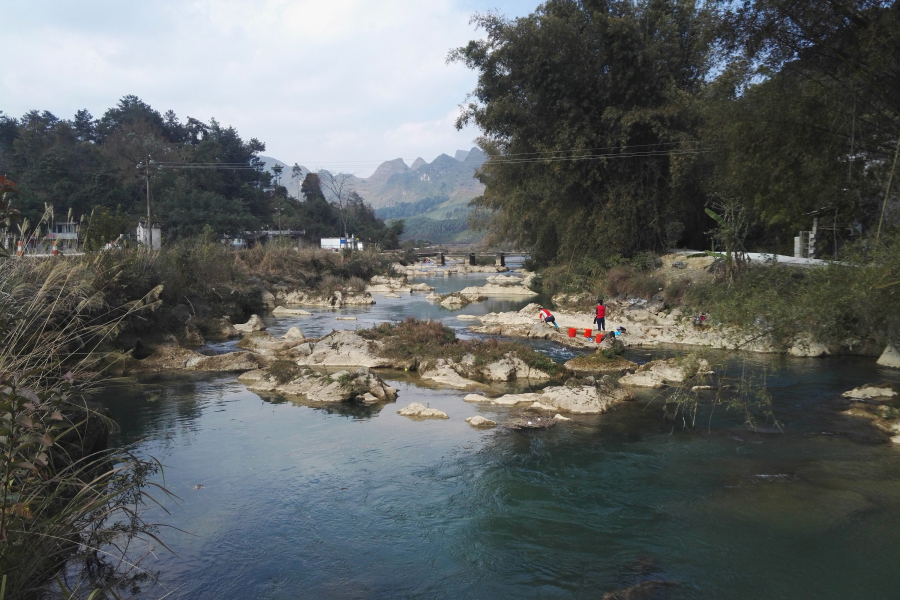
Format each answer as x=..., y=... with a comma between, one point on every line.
x=325, y=83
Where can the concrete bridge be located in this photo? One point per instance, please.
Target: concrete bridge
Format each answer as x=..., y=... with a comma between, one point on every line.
x=440, y=256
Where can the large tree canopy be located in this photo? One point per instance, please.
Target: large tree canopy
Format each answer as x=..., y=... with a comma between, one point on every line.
x=589, y=118
x=611, y=124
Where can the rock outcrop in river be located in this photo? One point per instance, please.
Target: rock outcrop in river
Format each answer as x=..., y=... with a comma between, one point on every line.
x=360, y=385
x=585, y=397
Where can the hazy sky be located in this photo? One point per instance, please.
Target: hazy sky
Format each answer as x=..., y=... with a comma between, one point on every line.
x=338, y=84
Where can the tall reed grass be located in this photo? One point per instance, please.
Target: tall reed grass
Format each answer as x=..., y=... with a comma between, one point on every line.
x=68, y=512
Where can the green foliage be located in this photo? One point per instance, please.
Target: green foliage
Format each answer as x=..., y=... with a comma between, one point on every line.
x=589, y=124
x=104, y=226
x=842, y=304
x=403, y=210
x=284, y=371
x=435, y=230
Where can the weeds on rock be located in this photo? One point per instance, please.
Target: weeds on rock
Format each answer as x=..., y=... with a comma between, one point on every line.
x=712, y=382
x=416, y=340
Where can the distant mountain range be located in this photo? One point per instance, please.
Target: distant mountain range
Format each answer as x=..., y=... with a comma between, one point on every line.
x=394, y=182
x=432, y=197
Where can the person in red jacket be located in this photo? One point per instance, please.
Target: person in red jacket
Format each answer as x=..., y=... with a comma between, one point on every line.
x=546, y=316
x=600, y=317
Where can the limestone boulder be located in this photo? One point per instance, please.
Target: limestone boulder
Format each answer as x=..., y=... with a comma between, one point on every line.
x=867, y=392
x=344, y=349
x=453, y=301
x=283, y=311
x=420, y=411
x=338, y=299
x=254, y=324
x=805, y=346
x=586, y=399
x=360, y=385
x=443, y=372
x=890, y=358
x=229, y=362
x=262, y=342
x=495, y=289
x=660, y=373
x=293, y=335
x=479, y=422
x=511, y=368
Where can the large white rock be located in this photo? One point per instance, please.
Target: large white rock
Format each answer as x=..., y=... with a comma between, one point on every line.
x=804, y=346
x=254, y=324
x=222, y=363
x=890, y=358
x=344, y=349
x=479, y=422
x=512, y=368
x=867, y=391
x=293, y=335
x=586, y=399
x=446, y=375
x=282, y=311
x=655, y=374
x=420, y=411
x=361, y=386
x=494, y=289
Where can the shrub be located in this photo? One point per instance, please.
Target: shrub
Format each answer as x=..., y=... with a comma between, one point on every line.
x=627, y=281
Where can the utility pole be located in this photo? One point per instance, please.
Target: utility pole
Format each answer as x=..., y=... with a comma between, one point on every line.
x=149, y=213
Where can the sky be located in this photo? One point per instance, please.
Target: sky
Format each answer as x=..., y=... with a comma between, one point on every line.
x=335, y=84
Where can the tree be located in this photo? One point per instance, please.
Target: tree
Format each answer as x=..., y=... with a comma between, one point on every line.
x=297, y=174
x=589, y=121
x=341, y=188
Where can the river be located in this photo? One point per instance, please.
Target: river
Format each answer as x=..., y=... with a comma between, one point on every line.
x=279, y=500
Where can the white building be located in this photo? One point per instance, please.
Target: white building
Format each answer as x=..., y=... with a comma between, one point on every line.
x=338, y=244
x=142, y=233
x=65, y=235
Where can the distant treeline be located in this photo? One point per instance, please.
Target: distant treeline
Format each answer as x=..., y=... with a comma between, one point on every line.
x=612, y=125
x=436, y=230
x=204, y=178
x=402, y=210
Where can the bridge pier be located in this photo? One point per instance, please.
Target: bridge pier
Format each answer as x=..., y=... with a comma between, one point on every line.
x=472, y=261
x=441, y=260
x=501, y=259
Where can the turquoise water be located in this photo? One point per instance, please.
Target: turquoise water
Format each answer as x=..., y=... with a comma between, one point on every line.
x=358, y=502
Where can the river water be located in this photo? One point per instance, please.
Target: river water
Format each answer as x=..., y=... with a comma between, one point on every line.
x=279, y=500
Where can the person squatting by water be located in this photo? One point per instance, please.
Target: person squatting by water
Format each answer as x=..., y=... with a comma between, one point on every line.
x=546, y=316
x=600, y=317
